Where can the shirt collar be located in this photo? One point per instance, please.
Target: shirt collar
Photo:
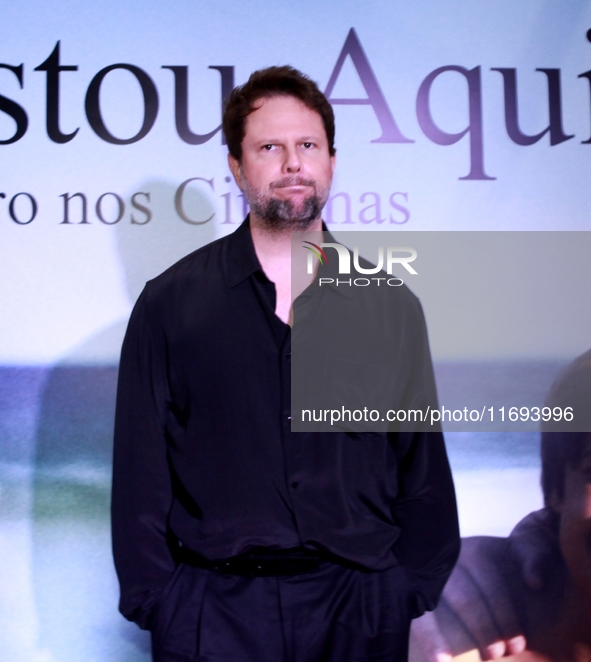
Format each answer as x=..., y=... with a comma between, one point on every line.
x=242, y=260
x=330, y=269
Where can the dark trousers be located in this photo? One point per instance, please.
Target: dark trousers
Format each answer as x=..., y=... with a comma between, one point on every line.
x=334, y=614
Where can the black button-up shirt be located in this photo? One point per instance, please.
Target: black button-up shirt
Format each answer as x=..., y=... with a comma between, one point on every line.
x=204, y=454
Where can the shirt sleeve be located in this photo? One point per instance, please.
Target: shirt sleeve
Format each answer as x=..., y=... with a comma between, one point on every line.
x=425, y=509
x=142, y=491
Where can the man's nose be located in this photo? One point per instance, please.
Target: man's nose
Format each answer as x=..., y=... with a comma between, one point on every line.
x=292, y=162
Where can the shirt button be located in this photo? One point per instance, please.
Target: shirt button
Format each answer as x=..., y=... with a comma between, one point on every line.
x=289, y=418
x=295, y=484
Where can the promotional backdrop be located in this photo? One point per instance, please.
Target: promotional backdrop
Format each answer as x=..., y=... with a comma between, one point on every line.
x=453, y=116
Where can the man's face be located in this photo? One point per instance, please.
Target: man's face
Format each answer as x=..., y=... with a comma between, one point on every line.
x=575, y=521
x=286, y=169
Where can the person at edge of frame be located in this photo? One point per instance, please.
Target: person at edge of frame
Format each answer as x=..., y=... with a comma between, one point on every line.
x=233, y=537
x=528, y=597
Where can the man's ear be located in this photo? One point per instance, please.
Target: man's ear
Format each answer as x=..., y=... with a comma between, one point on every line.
x=234, y=165
x=333, y=162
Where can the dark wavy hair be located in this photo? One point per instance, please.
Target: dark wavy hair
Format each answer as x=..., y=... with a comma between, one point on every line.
x=272, y=82
x=563, y=443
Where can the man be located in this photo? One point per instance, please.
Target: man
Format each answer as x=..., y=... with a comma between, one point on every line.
x=234, y=538
x=529, y=595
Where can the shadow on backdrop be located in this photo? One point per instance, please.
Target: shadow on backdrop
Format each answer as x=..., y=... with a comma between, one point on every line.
x=74, y=582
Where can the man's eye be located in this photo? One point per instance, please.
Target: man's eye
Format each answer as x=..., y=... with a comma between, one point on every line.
x=268, y=147
x=308, y=145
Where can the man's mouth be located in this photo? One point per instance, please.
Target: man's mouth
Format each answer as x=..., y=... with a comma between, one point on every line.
x=295, y=183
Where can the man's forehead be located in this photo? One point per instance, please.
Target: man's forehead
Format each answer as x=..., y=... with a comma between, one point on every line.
x=281, y=100
x=283, y=112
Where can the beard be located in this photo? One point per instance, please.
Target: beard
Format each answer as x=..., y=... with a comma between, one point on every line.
x=280, y=215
